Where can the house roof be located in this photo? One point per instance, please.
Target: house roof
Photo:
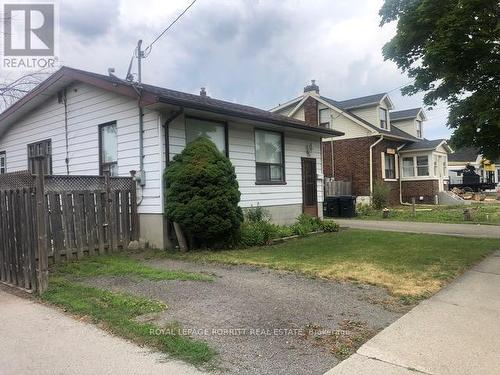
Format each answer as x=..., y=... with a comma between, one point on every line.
x=149, y=95
x=466, y=154
x=425, y=145
x=405, y=114
x=392, y=132
x=362, y=101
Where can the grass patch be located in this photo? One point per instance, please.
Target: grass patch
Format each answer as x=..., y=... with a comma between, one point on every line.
x=117, y=313
x=123, y=265
x=481, y=214
x=410, y=266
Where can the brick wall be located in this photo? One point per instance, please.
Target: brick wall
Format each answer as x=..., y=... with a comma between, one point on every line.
x=311, y=111
x=351, y=158
x=415, y=189
x=377, y=168
x=327, y=159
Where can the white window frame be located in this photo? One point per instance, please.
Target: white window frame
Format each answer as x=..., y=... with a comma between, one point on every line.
x=396, y=166
x=3, y=162
x=422, y=166
x=419, y=128
x=412, y=166
x=324, y=124
x=384, y=124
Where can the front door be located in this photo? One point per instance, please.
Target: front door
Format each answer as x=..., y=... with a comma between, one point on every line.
x=309, y=187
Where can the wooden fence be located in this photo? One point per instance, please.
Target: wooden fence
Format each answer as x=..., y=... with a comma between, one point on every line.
x=335, y=188
x=56, y=218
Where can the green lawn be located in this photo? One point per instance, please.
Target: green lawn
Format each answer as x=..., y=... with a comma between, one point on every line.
x=481, y=213
x=408, y=265
x=117, y=312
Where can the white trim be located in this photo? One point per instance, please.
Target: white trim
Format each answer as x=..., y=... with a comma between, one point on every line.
x=297, y=107
x=286, y=104
x=346, y=114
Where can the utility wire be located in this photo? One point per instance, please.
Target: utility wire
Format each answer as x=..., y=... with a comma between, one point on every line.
x=148, y=49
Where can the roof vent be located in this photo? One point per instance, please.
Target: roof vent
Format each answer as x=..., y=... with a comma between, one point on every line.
x=312, y=87
x=203, y=92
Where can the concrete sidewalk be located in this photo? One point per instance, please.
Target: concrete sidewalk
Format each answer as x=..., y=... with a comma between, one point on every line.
x=35, y=339
x=465, y=230
x=457, y=331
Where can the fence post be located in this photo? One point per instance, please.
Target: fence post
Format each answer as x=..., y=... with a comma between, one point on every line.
x=43, y=256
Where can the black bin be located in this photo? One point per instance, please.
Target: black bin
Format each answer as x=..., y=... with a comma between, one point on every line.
x=340, y=206
x=347, y=205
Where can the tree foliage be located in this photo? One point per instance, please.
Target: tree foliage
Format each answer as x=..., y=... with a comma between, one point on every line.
x=202, y=195
x=451, y=48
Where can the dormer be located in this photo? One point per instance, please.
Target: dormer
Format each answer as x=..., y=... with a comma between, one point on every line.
x=372, y=108
x=410, y=121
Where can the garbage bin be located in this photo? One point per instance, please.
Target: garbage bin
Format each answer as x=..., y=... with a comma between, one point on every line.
x=331, y=207
x=347, y=206
x=340, y=206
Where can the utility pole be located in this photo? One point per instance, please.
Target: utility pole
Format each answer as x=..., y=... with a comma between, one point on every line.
x=140, y=55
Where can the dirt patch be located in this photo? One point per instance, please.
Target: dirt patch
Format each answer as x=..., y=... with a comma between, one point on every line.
x=258, y=319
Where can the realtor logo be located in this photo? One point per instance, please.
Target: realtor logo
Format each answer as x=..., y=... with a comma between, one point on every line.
x=29, y=31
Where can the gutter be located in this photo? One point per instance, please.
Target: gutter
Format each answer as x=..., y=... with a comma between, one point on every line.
x=248, y=116
x=371, y=163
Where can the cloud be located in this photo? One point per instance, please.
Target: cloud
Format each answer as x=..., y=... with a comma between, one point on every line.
x=257, y=52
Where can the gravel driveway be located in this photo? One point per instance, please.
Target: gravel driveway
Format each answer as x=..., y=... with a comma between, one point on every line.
x=267, y=310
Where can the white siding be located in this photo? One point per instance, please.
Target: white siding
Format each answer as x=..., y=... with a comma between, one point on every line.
x=88, y=107
x=242, y=155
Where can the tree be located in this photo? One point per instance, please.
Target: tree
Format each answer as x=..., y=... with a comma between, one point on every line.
x=202, y=195
x=451, y=49
x=13, y=90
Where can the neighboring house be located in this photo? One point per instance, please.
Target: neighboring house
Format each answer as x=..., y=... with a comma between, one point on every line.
x=86, y=124
x=459, y=159
x=379, y=144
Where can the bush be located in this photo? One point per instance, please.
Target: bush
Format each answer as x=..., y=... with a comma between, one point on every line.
x=256, y=214
x=257, y=233
x=363, y=209
x=380, y=197
x=202, y=195
x=306, y=224
x=329, y=226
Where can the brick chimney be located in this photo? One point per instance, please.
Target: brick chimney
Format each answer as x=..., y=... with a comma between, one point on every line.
x=311, y=105
x=312, y=87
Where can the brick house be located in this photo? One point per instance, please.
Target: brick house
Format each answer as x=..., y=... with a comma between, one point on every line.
x=379, y=144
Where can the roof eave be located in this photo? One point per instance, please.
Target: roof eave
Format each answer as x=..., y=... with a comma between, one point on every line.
x=228, y=112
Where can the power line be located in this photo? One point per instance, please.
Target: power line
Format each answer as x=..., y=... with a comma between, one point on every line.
x=148, y=49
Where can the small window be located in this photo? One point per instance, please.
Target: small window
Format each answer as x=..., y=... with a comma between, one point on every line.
x=213, y=130
x=324, y=117
x=269, y=157
x=39, y=149
x=383, y=118
x=108, y=149
x=419, y=129
x=422, y=166
x=3, y=162
x=390, y=166
x=408, y=167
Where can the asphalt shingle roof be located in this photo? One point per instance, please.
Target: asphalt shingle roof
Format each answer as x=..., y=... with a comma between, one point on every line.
x=404, y=114
x=464, y=154
x=394, y=131
x=423, y=144
x=361, y=101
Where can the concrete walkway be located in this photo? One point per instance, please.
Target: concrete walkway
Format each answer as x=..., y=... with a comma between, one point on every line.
x=457, y=331
x=35, y=339
x=466, y=230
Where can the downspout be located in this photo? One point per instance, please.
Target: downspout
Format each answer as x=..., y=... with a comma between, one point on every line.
x=65, y=102
x=371, y=164
x=167, y=226
x=400, y=174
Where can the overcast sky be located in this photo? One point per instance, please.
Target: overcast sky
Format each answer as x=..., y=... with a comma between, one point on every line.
x=255, y=52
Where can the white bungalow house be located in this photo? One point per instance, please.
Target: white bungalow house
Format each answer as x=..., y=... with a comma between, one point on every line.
x=86, y=123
